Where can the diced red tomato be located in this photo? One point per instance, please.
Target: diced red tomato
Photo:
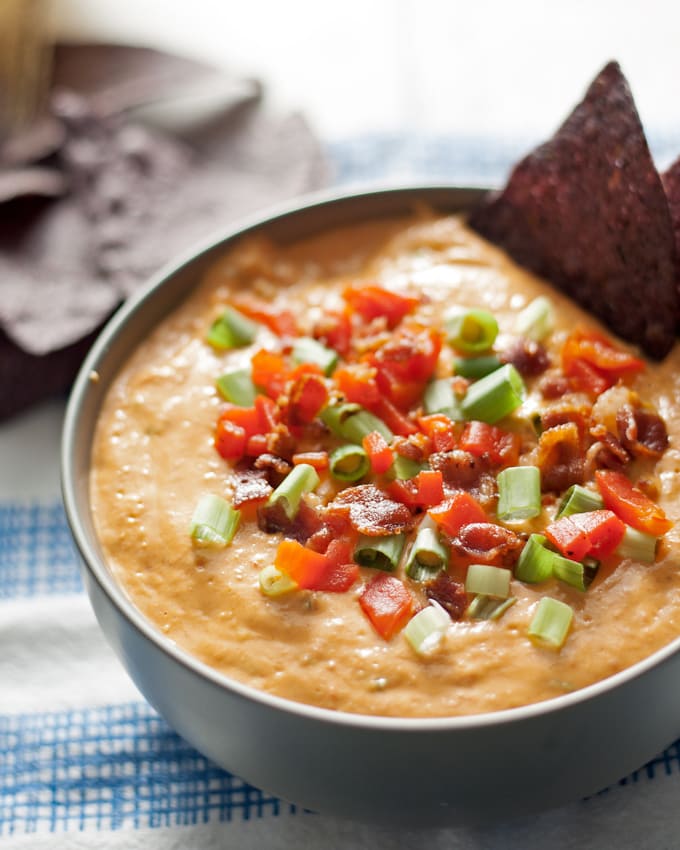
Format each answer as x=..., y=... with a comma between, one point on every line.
x=456, y=511
x=247, y=417
x=594, y=363
x=333, y=571
x=308, y=396
x=357, y=382
x=379, y=453
x=304, y=566
x=630, y=504
x=387, y=604
x=395, y=420
x=404, y=491
x=335, y=331
x=372, y=302
x=269, y=372
x=499, y=446
x=341, y=571
x=441, y=431
x=268, y=413
x=429, y=487
x=406, y=363
x=568, y=538
x=319, y=460
x=256, y=445
x=604, y=531
x=280, y=322
x=230, y=439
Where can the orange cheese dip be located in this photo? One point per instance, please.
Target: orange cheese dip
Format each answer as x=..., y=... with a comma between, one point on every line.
x=154, y=457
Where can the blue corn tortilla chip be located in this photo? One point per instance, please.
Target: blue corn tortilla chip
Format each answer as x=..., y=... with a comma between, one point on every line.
x=587, y=211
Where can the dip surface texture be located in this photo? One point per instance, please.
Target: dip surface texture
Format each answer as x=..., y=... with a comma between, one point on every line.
x=154, y=458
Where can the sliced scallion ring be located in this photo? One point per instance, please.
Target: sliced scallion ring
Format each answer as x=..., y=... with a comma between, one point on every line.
x=574, y=573
x=488, y=581
x=237, y=387
x=551, y=623
x=351, y=422
x=496, y=395
x=488, y=607
x=309, y=350
x=275, y=583
x=638, y=546
x=349, y=462
x=403, y=468
x=535, y=563
x=476, y=367
x=425, y=630
x=471, y=331
x=428, y=555
x=231, y=330
x=440, y=398
x=579, y=500
x=536, y=321
x=302, y=479
x=519, y=493
x=214, y=522
x=382, y=553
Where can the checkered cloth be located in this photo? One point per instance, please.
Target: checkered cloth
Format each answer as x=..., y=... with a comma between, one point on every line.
x=85, y=762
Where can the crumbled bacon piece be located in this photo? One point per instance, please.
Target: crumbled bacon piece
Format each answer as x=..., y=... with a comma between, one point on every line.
x=370, y=511
x=416, y=447
x=642, y=432
x=275, y=467
x=250, y=485
x=273, y=518
x=281, y=442
x=528, y=357
x=461, y=470
x=607, y=451
x=486, y=543
x=569, y=409
x=561, y=458
x=449, y=594
x=554, y=385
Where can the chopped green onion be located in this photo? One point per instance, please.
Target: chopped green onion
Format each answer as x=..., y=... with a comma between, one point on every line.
x=404, y=468
x=519, y=493
x=535, y=562
x=275, y=583
x=579, y=500
x=428, y=555
x=471, y=331
x=494, y=396
x=578, y=575
x=383, y=553
x=425, y=631
x=440, y=398
x=638, y=546
x=303, y=478
x=351, y=422
x=309, y=350
x=488, y=607
x=231, y=330
x=237, y=387
x=214, y=522
x=349, y=462
x=550, y=624
x=489, y=581
x=476, y=367
x=536, y=320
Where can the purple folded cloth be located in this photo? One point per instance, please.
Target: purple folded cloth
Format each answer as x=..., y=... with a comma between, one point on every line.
x=139, y=156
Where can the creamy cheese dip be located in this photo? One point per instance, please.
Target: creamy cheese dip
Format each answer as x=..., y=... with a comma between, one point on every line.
x=154, y=457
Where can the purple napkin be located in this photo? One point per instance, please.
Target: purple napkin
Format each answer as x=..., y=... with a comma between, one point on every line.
x=139, y=156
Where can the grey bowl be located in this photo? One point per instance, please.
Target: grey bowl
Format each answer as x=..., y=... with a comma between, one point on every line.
x=418, y=771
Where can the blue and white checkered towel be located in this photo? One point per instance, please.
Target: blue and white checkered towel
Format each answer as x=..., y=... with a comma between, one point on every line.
x=86, y=763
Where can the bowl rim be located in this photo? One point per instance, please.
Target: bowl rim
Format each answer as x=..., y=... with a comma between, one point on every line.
x=112, y=590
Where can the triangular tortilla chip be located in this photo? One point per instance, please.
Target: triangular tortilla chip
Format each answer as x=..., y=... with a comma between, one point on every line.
x=587, y=211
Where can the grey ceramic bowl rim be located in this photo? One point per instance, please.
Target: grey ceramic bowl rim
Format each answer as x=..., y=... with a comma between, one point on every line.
x=104, y=578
